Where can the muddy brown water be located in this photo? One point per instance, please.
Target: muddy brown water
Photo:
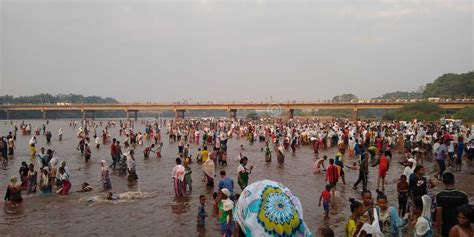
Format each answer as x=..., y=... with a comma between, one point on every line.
x=155, y=211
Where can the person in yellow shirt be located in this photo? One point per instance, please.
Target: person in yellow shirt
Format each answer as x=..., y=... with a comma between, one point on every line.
x=204, y=154
x=354, y=225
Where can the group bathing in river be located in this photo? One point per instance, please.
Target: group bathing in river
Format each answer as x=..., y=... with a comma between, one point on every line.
x=431, y=155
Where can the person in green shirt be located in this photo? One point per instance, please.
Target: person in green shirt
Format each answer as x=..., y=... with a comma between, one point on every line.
x=243, y=171
x=268, y=153
x=225, y=206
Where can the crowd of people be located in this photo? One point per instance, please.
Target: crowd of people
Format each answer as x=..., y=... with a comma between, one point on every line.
x=265, y=207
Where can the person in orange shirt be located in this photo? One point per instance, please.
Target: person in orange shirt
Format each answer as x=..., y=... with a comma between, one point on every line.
x=332, y=175
x=383, y=168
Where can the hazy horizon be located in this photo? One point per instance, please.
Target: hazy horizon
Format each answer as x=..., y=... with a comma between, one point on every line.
x=164, y=51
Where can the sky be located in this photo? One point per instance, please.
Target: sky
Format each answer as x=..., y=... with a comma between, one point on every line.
x=222, y=51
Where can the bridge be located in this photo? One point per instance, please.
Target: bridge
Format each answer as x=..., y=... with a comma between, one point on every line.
x=232, y=108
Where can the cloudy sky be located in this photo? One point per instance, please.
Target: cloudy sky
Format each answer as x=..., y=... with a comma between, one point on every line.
x=221, y=50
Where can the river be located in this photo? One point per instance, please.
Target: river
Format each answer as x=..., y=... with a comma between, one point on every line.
x=153, y=209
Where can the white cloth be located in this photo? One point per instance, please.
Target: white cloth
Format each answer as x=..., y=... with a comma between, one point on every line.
x=178, y=172
x=374, y=228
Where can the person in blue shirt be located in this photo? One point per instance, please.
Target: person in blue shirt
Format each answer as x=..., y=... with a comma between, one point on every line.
x=42, y=158
x=358, y=149
x=202, y=214
x=227, y=183
x=459, y=154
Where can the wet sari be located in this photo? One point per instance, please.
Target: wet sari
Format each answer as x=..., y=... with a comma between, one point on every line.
x=208, y=167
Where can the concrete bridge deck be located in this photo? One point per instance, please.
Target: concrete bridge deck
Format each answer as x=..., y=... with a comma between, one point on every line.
x=232, y=108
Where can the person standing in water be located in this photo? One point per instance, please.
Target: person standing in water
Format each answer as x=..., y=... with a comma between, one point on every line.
x=42, y=158
x=32, y=144
x=32, y=179
x=280, y=155
x=202, y=214
x=11, y=146
x=326, y=198
x=243, y=172
x=96, y=141
x=332, y=176
x=87, y=152
x=208, y=167
x=178, y=179
x=204, y=154
x=105, y=175
x=268, y=153
x=391, y=224
x=131, y=166
x=225, y=206
x=354, y=224
x=363, y=171
x=3, y=149
x=60, y=134
x=24, y=175
x=13, y=194
x=383, y=168
x=65, y=184
x=187, y=175
x=45, y=181
x=48, y=137
x=114, y=153
x=465, y=217
x=227, y=183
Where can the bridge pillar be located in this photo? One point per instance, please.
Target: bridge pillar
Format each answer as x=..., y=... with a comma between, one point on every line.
x=354, y=114
x=233, y=114
x=291, y=113
x=135, y=114
x=180, y=113
x=90, y=112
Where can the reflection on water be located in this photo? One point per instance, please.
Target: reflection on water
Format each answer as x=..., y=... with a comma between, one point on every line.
x=149, y=207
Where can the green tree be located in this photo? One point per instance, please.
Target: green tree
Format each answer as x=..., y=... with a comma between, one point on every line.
x=389, y=116
x=51, y=99
x=252, y=115
x=344, y=98
x=466, y=114
x=421, y=110
x=451, y=85
x=407, y=95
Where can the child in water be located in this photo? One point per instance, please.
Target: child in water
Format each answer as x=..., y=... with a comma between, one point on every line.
x=326, y=198
x=202, y=214
x=109, y=196
x=85, y=187
x=187, y=175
